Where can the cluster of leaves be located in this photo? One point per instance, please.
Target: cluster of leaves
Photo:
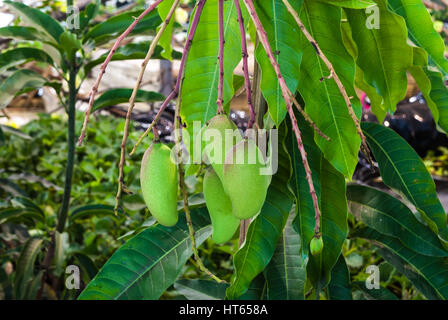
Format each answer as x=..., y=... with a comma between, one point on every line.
x=32, y=162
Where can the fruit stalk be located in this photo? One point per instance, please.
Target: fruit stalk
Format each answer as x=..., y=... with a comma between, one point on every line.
x=106, y=62
x=175, y=92
x=267, y=47
x=333, y=74
x=245, y=67
x=178, y=139
x=219, y=101
x=132, y=101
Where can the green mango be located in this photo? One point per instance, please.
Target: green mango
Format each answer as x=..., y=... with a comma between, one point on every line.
x=220, y=136
x=316, y=245
x=242, y=180
x=224, y=224
x=159, y=183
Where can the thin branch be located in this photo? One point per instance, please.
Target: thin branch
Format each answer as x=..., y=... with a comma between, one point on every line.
x=132, y=101
x=219, y=101
x=307, y=117
x=175, y=92
x=245, y=66
x=178, y=139
x=184, y=191
x=104, y=66
x=170, y=97
x=267, y=47
x=333, y=74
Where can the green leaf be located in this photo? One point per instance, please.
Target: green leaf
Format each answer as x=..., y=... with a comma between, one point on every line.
x=286, y=272
x=19, y=215
x=121, y=95
x=439, y=95
x=323, y=100
x=424, y=83
x=11, y=187
x=421, y=30
x=330, y=189
x=20, y=81
x=360, y=82
x=165, y=39
x=199, y=88
x=281, y=28
x=402, y=169
x=114, y=26
x=354, y=4
x=90, y=12
x=25, y=267
x=339, y=287
x=33, y=285
x=383, y=53
x=88, y=268
x=37, y=19
x=146, y=265
x=389, y=216
x=265, y=230
x=70, y=44
x=15, y=132
x=257, y=289
x=428, y=274
x=374, y=294
x=20, y=33
x=18, y=56
x=128, y=52
x=24, y=209
x=201, y=289
x=87, y=211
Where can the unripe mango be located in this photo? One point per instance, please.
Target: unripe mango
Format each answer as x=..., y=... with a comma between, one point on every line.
x=159, y=182
x=242, y=180
x=218, y=142
x=219, y=207
x=316, y=245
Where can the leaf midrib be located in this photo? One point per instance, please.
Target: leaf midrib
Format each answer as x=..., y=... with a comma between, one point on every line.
x=168, y=252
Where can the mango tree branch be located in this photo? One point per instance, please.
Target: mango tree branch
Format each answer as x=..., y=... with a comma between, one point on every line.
x=104, y=66
x=183, y=188
x=245, y=67
x=333, y=75
x=219, y=101
x=307, y=117
x=178, y=140
x=175, y=92
x=285, y=93
x=132, y=101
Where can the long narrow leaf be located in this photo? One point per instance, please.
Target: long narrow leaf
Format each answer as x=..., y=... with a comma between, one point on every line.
x=146, y=265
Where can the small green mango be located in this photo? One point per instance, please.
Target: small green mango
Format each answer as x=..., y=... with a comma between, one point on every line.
x=159, y=183
x=220, y=136
x=224, y=224
x=316, y=245
x=242, y=180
